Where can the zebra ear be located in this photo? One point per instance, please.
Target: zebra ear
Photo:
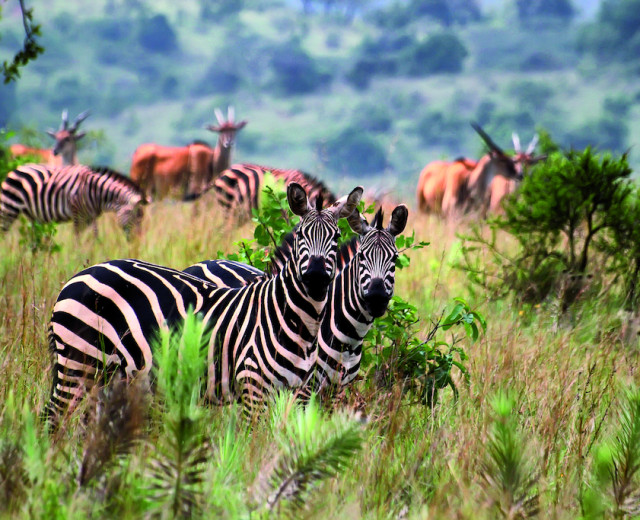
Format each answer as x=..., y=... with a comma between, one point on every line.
x=358, y=223
x=51, y=133
x=297, y=199
x=346, y=205
x=398, y=220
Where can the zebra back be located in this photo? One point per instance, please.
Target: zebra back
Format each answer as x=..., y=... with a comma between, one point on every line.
x=62, y=193
x=239, y=186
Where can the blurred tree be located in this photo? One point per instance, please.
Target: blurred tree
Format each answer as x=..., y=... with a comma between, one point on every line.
x=31, y=49
x=615, y=35
x=354, y=152
x=156, y=34
x=529, y=10
x=294, y=71
x=443, y=52
x=398, y=15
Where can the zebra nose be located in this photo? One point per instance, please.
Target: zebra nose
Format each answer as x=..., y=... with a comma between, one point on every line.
x=376, y=299
x=316, y=279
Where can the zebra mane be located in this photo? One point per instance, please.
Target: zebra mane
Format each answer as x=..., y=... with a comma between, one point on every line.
x=315, y=182
x=319, y=202
x=114, y=174
x=377, y=219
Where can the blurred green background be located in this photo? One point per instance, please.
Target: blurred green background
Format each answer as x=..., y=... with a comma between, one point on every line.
x=342, y=89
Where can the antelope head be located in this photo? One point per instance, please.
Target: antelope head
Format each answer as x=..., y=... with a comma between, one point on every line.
x=226, y=129
x=67, y=136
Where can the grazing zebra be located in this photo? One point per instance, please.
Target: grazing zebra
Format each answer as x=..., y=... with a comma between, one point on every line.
x=239, y=186
x=60, y=194
x=360, y=292
x=107, y=315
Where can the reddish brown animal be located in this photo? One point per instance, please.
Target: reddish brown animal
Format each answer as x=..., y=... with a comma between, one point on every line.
x=185, y=171
x=65, y=148
x=497, y=174
x=442, y=185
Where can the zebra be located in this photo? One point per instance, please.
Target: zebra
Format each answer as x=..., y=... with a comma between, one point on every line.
x=63, y=193
x=360, y=293
x=239, y=186
x=106, y=316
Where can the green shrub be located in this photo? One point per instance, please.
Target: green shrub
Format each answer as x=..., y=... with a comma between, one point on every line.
x=561, y=208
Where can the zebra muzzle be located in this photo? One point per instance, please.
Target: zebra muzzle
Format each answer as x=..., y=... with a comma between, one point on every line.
x=316, y=279
x=376, y=299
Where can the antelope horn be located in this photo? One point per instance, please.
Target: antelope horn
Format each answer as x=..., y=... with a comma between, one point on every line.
x=81, y=117
x=516, y=142
x=65, y=119
x=485, y=137
x=532, y=144
x=219, y=116
x=230, y=113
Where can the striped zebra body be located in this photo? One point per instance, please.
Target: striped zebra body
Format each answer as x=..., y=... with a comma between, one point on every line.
x=60, y=194
x=260, y=334
x=360, y=292
x=239, y=186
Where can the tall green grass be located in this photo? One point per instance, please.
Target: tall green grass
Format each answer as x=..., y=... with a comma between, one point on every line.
x=567, y=384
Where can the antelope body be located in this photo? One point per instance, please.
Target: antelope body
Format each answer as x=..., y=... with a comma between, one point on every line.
x=184, y=171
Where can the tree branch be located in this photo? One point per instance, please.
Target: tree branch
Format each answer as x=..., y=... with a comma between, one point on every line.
x=30, y=50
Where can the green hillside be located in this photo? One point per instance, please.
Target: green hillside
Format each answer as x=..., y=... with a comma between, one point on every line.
x=336, y=96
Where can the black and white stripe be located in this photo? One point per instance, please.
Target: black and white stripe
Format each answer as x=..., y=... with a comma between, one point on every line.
x=239, y=186
x=59, y=194
x=360, y=292
x=106, y=317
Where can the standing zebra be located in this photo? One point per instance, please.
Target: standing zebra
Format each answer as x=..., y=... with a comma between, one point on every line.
x=360, y=292
x=106, y=316
x=59, y=194
x=239, y=186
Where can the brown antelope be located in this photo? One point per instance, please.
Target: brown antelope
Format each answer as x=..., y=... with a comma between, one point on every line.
x=442, y=185
x=497, y=174
x=185, y=171
x=64, y=150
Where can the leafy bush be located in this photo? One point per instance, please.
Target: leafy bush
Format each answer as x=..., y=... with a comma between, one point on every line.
x=392, y=350
x=561, y=208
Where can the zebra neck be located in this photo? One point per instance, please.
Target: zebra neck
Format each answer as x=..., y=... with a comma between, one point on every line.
x=344, y=325
x=297, y=304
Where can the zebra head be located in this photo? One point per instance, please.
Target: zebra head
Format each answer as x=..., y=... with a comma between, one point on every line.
x=376, y=259
x=316, y=238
